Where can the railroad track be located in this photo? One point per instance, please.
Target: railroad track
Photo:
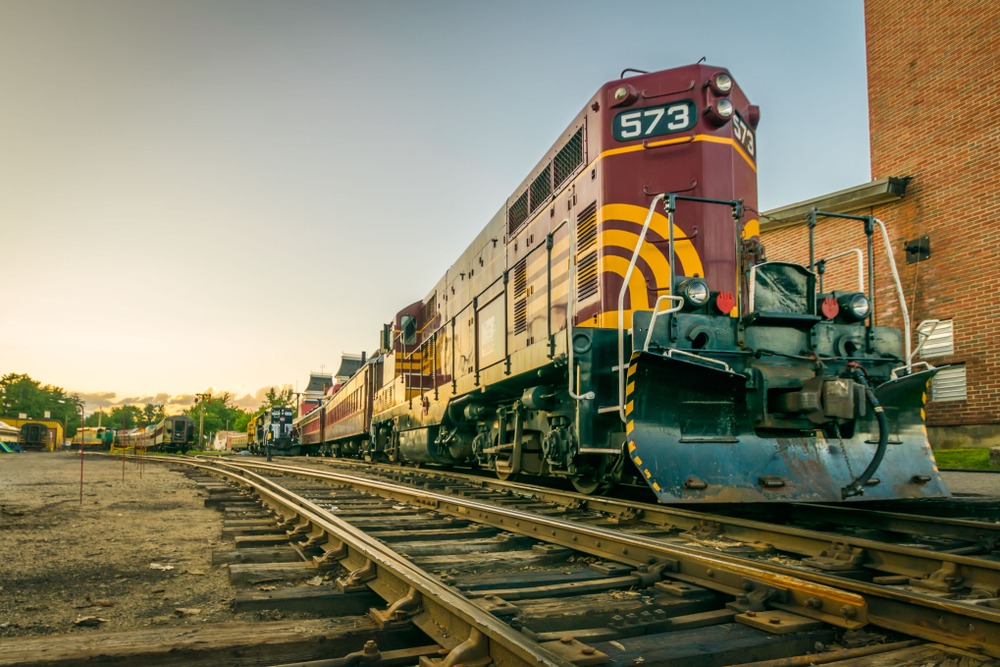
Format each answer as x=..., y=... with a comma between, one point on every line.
x=433, y=567
x=534, y=576
x=945, y=557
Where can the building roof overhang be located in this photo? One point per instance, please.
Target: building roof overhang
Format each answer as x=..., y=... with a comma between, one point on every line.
x=882, y=191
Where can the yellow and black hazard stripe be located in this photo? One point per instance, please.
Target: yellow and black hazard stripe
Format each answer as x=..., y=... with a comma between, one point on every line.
x=633, y=450
x=923, y=426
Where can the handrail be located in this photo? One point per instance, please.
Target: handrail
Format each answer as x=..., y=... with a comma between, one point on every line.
x=657, y=312
x=571, y=372
x=870, y=222
x=927, y=366
x=926, y=337
x=908, y=366
x=899, y=291
x=708, y=360
x=861, y=266
x=621, y=298
x=671, y=205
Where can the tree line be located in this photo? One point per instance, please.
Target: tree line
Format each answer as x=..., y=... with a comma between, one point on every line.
x=20, y=394
x=219, y=413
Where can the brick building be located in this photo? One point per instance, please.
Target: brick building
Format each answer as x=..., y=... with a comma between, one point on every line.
x=934, y=119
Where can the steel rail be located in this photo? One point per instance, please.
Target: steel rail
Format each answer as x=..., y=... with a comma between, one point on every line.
x=413, y=595
x=934, y=570
x=962, y=625
x=988, y=534
x=652, y=558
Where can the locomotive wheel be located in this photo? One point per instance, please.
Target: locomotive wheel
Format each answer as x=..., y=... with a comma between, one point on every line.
x=589, y=486
x=506, y=476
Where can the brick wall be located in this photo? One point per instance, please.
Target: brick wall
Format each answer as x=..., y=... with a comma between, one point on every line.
x=934, y=109
x=934, y=115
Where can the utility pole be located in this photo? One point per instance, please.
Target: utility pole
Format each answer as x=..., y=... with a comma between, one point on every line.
x=201, y=419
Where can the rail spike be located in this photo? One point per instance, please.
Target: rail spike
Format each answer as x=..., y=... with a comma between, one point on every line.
x=356, y=579
x=401, y=611
x=473, y=652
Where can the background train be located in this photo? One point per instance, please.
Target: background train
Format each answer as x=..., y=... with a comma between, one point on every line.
x=617, y=319
x=273, y=429
x=34, y=436
x=172, y=435
x=239, y=442
x=93, y=437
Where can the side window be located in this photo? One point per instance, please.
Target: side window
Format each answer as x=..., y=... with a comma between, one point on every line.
x=408, y=329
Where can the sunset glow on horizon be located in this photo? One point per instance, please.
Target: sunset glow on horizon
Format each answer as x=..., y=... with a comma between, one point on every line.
x=228, y=196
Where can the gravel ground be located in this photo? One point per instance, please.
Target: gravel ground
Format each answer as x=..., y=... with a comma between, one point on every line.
x=136, y=553
x=973, y=483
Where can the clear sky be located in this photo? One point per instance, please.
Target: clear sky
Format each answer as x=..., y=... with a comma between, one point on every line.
x=227, y=194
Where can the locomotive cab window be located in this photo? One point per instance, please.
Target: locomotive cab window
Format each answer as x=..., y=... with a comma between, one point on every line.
x=408, y=329
x=783, y=290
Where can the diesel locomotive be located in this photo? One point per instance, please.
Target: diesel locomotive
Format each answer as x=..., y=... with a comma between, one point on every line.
x=272, y=429
x=617, y=319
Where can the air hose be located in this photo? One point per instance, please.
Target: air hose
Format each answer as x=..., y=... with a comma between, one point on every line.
x=857, y=485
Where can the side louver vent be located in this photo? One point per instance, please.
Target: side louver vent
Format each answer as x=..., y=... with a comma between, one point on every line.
x=541, y=188
x=566, y=162
x=568, y=159
x=517, y=214
x=520, y=297
x=586, y=252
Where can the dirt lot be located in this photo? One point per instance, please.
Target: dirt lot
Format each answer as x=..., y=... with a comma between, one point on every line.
x=135, y=553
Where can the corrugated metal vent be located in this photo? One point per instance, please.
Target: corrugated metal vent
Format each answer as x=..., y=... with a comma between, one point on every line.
x=949, y=384
x=517, y=213
x=521, y=297
x=568, y=159
x=541, y=188
x=940, y=343
x=586, y=252
x=428, y=310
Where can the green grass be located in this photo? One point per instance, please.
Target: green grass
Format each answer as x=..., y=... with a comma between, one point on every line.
x=973, y=458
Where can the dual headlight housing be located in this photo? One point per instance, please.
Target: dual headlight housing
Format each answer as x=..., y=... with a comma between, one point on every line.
x=720, y=110
x=694, y=291
x=854, y=306
x=846, y=307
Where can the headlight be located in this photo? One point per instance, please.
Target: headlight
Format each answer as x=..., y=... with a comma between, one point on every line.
x=721, y=83
x=854, y=307
x=721, y=111
x=623, y=95
x=695, y=292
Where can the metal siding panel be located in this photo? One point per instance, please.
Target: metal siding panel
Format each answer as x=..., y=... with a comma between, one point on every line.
x=949, y=384
x=941, y=342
